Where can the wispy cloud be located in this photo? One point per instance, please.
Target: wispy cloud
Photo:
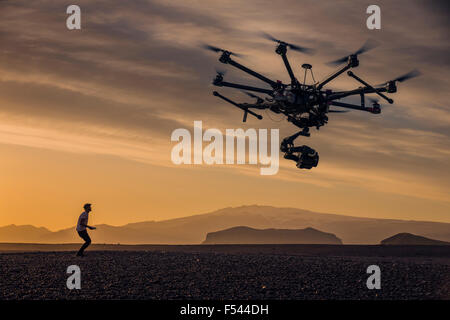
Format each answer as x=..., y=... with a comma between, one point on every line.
x=135, y=72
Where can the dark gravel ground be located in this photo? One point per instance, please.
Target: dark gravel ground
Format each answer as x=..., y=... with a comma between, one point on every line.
x=186, y=274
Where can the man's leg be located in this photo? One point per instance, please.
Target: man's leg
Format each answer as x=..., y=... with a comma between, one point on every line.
x=84, y=235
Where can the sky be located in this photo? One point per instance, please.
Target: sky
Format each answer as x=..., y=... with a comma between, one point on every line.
x=87, y=115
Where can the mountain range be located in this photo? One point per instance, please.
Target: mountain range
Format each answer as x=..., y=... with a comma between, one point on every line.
x=246, y=235
x=193, y=229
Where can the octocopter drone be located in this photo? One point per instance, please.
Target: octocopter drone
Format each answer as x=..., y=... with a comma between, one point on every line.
x=305, y=105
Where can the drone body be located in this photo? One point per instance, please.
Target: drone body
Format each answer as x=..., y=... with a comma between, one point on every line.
x=304, y=105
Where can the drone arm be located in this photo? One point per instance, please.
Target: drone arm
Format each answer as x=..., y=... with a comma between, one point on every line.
x=243, y=87
x=333, y=76
x=288, y=68
x=348, y=105
x=359, y=91
x=273, y=84
x=377, y=91
x=245, y=109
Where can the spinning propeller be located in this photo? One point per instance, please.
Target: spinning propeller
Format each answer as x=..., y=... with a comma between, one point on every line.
x=219, y=77
x=368, y=45
x=221, y=72
x=376, y=107
x=216, y=49
x=290, y=45
x=412, y=74
x=373, y=100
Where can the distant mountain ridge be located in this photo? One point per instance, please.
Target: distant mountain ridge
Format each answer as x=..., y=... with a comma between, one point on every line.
x=246, y=235
x=24, y=233
x=412, y=239
x=193, y=229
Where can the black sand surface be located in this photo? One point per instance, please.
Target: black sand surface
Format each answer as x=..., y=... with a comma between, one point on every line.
x=226, y=272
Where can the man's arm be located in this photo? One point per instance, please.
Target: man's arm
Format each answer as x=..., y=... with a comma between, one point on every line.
x=86, y=226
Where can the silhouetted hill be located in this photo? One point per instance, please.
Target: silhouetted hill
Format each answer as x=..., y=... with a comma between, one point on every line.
x=193, y=229
x=411, y=239
x=24, y=233
x=246, y=235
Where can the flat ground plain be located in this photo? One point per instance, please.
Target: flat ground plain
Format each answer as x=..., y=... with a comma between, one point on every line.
x=30, y=271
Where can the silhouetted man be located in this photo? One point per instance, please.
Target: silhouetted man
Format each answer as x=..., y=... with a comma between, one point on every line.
x=81, y=228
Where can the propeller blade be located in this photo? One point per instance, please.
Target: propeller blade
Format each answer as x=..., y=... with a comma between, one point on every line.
x=269, y=37
x=338, y=61
x=216, y=49
x=374, y=102
x=212, y=48
x=289, y=45
x=368, y=45
x=305, y=50
x=221, y=72
x=412, y=74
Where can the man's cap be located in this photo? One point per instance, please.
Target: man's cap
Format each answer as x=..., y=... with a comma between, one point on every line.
x=87, y=205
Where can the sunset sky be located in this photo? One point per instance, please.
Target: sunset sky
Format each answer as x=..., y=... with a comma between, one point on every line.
x=87, y=115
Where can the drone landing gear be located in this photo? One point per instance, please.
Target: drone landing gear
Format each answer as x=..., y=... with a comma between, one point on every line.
x=245, y=109
x=305, y=156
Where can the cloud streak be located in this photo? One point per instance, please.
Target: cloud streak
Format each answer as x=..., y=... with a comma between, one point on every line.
x=135, y=72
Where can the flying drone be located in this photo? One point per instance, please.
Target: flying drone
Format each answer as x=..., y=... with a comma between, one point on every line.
x=305, y=105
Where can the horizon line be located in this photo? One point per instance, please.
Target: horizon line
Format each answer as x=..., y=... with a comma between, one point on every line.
x=230, y=207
